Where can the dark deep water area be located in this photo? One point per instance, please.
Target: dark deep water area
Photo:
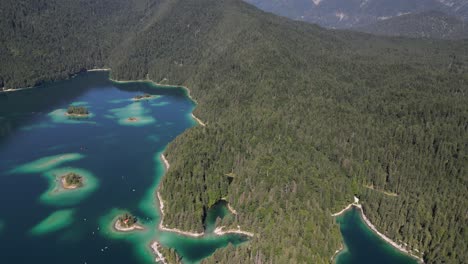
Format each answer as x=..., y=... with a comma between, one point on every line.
x=120, y=160
x=363, y=246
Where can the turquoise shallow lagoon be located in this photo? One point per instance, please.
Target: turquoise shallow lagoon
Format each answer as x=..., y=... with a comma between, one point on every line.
x=118, y=158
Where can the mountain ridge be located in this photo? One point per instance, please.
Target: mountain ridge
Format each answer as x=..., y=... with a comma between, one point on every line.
x=431, y=24
x=357, y=13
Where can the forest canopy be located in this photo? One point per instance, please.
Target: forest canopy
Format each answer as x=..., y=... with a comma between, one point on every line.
x=299, y=118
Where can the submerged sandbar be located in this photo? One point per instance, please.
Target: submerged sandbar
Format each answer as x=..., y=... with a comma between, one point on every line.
x=56, y=221
x=133, y=114
x=47, y=163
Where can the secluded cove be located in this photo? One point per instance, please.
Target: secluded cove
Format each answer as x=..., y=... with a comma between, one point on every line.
x=218, y=211
x=112, y=157
x=363, y=245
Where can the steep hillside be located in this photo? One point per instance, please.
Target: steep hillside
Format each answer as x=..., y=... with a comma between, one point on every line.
x=354, y=13
x=299, y=119
x=49, y=39
x=424, y=25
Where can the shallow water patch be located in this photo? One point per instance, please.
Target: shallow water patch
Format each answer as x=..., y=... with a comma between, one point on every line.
x=56, y=221
x=60, y=116
x=59, y=196
x=133, y=114
x=47, y=163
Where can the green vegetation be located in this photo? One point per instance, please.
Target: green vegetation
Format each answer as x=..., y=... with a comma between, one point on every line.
x=431, y=24
x=73, y=179
x=64, y=194
x=302, y=116
x=77, y=110
x=127, y=220
x=143, y=96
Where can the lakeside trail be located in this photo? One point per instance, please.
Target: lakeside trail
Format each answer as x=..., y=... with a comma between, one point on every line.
x=371, y=187
x=155, y=247
x=400, y=247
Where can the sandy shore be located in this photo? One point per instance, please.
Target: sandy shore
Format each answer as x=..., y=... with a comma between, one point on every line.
x=155, y=247
x=133, y=119
x=175, y=230
x=142, y=99
x=344, y=210
x=161, y=208
x=198, y=120
x=166, y=163
x=65, y=186
x=10, y=90
x=384, y=237
x=337, y=252
x=77, y=115
x=98, y=70
x=230, y=208
x=120, y=228
x=218, y=231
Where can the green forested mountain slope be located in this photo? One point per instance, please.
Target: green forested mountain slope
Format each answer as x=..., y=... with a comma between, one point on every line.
x=430, y=24
x=49, y=39
x=298, y=120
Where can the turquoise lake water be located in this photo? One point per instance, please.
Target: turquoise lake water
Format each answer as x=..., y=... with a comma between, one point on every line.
x=363, y=246
x=120, y=163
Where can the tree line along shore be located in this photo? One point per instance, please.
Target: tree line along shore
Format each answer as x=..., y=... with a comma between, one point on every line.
x=300, y=117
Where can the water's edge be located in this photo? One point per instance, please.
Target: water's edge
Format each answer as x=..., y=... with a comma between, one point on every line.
x=218, y=231
x=368, y=223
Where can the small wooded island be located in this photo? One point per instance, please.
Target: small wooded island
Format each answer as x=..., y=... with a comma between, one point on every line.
x=71, y=181
x=142, y=97
x=132, y=119
x=79, y=111
x=127, y=222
